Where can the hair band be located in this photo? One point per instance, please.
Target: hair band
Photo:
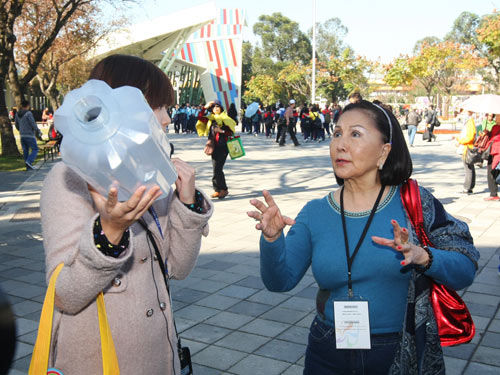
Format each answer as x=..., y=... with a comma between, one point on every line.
x=388, y=119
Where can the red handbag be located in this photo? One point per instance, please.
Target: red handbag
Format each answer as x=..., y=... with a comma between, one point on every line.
x=454, y=321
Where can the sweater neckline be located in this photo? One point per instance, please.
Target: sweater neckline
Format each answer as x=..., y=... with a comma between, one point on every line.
x=336, y=206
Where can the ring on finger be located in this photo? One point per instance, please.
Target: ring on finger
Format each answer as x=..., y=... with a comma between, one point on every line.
x=404, y=242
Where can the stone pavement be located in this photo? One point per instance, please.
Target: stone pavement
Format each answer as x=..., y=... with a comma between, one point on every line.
x=223, y=312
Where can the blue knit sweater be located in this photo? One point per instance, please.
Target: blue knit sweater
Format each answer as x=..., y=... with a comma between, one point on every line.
x=317, y=240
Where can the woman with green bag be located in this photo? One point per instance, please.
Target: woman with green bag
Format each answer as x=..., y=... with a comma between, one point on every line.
x=215, y=122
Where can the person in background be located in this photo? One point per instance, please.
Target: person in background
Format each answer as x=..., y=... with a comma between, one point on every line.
x=492, y=172
x=430, y=119
x=232, y=112
x=280, y=114
x=12, y=114
x=327, y=115
x=488, y=123
x=289, y=125
x=466, y=139
x=28, y=131
x=45, y=116
x=355, y=97
x=412, y=120
x=305, y=123
x=220, y=127
x=104, y=246
x=361, y=247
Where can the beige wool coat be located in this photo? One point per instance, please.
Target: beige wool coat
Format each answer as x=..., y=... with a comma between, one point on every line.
x=136, y=299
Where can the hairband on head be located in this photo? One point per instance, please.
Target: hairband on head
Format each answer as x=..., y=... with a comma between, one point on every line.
x=388, y=119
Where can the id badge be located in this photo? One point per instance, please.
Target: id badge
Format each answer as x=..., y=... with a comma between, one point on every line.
x=352, y=324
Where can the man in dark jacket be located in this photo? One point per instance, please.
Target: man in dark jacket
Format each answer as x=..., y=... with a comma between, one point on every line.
x=28, y=131
x=430, y=119
x=412, y=120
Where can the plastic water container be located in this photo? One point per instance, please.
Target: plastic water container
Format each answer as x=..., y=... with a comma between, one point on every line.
x=111, y=137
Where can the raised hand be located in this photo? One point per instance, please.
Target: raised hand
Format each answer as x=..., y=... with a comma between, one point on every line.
x=270, y=220
x=413, y=254
x=185, y=181
x=117, y=216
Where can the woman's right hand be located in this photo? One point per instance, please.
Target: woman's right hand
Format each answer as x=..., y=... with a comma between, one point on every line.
x=117, y=216
x=271, y=222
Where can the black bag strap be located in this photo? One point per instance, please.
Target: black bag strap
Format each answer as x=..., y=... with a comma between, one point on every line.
x=164, y=273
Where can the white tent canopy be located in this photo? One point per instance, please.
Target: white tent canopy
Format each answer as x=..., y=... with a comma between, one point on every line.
x=151, y=39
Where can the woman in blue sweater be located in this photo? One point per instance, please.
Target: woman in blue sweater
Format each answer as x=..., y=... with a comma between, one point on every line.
x=373, y=315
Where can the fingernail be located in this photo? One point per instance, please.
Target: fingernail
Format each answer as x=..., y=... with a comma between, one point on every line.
x=404, y=230
x=400, y=247
x=403, y=263
x=393, y=221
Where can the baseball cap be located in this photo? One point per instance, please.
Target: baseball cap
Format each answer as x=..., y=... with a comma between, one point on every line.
x=217, y=103
x=292, y=101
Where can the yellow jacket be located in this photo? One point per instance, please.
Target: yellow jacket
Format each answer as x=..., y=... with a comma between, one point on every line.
x=470, y=135
x=222, y=118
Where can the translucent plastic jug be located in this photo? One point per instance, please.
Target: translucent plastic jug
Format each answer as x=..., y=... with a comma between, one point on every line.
x=111, y=137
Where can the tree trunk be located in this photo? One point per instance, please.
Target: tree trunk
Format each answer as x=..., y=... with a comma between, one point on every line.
x=9, y=147
x=14, y=85
x=53, y=100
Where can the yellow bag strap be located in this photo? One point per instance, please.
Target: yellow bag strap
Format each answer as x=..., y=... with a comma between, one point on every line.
x=109, y=359
x=40, y=357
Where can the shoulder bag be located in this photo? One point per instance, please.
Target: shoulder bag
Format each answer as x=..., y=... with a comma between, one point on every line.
x=473, y=156
x=454, y=321
x=183, y=351
x=40, y=358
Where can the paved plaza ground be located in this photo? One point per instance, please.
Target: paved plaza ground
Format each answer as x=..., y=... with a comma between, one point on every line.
x=223, y=312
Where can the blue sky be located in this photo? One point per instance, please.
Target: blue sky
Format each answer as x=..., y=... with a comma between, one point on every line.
x=377, y=28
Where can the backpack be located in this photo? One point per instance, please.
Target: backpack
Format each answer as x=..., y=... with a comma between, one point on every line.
x=317, y=121
x=327, y=117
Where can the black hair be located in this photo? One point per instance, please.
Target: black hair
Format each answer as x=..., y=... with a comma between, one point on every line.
x=125, y=70
x=398, y=166
x=25, y=103
x=355, y=95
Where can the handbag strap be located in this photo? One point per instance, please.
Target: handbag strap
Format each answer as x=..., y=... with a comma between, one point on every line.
x=410, y=195
x=40, y=358
x=163, y=272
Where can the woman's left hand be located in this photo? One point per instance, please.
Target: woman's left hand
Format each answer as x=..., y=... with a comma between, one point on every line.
x=185, y=181
x=413, y=254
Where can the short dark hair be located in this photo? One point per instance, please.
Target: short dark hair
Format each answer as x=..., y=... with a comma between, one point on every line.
x=355, y=95
x=25, y=103
x=398, y=165
x=125, y=70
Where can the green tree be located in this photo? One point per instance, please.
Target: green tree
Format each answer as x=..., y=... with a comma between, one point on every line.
x=295, y=80
x=340, y=75
x=482, y=33
x=437, y=67
x=282, y=39
x=246, y=64
x=428, y=40
x=330, y=38
x=464, y=30
x=24, y=43
x=263, y=88
x=489, y=34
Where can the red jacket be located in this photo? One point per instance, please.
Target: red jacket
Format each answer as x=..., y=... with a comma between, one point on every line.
x=495, y=145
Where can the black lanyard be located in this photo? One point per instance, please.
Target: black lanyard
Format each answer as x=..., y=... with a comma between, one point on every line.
x=350, y=259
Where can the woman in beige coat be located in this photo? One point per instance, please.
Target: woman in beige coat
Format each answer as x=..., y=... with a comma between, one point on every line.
x=137, y=302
